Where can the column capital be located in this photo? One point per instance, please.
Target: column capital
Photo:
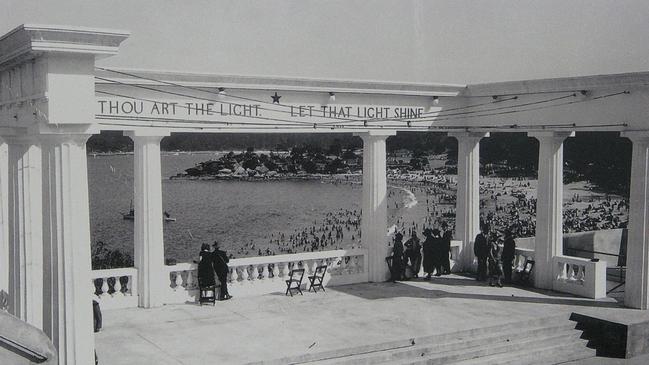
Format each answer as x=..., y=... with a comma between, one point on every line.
x=147, y=134
x=636, y=136
x=375, y=134
x=468, y=135
x=539, y=135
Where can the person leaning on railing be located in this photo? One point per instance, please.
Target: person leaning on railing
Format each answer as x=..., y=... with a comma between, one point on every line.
x=220, y=262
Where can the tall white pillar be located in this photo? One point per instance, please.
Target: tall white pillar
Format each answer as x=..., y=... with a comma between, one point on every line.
x=636, y=291
x=374, y=222
x=67, y=305
x=25, y=229
x=149, y=244
x=549, y=205
x=467, y=213
x=4, y=227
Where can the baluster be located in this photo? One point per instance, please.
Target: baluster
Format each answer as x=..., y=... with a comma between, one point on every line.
x=244, y=275
x=234, y=276
x=117, y=287
x=357, y=264
x=129, y=285
x=94, y=288
x=581, y=275
x=571, y=272
x=104, y=288
x=264, y=272
x=285, y=271
x=178, y=281
x=189, y=283
x=276, y=272
x=254, y=273
x=561, y=271
x=342, y=268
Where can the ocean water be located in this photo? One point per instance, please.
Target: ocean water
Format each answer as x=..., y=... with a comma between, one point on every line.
x=233, y=212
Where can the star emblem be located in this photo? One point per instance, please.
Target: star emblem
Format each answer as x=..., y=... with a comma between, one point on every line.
x=275, y=98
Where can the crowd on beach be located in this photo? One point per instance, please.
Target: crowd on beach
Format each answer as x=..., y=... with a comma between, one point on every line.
x=337, y=230
x=505, y=204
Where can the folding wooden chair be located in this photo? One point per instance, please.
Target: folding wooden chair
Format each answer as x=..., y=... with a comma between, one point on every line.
x=294, y=281
x=204, y=295
x=317, y=278
x=524, y=275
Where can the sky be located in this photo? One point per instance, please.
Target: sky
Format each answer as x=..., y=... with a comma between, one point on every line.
x=437, y=41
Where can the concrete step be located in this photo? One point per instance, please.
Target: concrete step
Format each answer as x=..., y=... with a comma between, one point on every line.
x=450, y=357
x=556, y=354
x=558, y=322
x=461, y=342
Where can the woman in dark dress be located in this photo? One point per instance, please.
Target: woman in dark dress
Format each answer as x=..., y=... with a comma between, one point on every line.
x=397, y=258
x=429, y=251
x=205, y=268
x=413, y=253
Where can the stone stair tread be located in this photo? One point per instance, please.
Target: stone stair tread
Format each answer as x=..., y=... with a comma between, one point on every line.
x=566, y=328
x=449, y=357
x=536, y=356
x=561, y=322
x=443, y=356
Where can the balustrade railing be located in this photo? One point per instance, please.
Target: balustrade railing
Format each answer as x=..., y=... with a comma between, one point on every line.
x=115, y=288
x=267, y=274
x=455, y=255
x=580, y=276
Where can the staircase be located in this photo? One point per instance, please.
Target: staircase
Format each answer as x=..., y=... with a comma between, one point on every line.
x=540, y=341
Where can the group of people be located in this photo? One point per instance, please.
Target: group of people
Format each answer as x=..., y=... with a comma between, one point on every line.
x=407, y=259
x=494, y=262
x=210, y=263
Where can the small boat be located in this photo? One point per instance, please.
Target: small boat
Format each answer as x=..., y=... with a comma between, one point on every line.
x=131, y=215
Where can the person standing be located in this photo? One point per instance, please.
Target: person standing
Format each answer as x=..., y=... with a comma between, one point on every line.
x=413, y=253
x=495, y=264
x=509, y=252
x=429, y=250
x=220, y=261
x=397, y=258
x=438, y=248
x=481, y=250
x=447, y=236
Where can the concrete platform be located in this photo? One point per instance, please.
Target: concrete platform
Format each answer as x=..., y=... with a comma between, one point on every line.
x=273, y=326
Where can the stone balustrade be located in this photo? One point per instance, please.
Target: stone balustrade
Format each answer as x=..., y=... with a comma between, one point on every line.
x=521, y=255
x=579, y=276
x=115, y=288
x=455, y=255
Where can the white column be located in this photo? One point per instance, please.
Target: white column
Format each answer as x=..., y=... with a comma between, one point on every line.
x=149, y=245
x=25, y=229
x=4, y=227
x=467, y=212
x=374, y=222
x=67, y=305
x=549, y=205
x=636, y=291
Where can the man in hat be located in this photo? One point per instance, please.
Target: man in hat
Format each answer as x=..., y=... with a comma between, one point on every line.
x=429, y=248
x=397, y=258
x=220, y=262
x=481, y=248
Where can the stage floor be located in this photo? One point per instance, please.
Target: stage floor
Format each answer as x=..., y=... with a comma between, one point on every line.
x=272, y=326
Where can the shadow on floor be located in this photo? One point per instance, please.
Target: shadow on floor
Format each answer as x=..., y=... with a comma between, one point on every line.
x=404, y=289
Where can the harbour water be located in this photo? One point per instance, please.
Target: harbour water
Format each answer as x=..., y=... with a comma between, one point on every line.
x=234, y=212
